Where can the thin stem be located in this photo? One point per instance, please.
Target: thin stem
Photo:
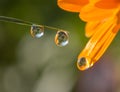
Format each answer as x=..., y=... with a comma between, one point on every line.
x=53, y=28
x=14, y=20
x=22, y=22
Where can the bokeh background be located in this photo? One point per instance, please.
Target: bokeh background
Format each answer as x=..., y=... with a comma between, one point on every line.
x=38, y=65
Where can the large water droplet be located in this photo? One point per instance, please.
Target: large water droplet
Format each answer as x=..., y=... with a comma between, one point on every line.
x=37, y=31
x=61, y=38
x=84, y=63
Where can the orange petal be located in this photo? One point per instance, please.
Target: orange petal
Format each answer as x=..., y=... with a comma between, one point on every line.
x=99, y=49
x=91, y=27
x=107, y=4
x=106, y=43
x=92, y=13
x=72, y=5
x=98, y=43
x=103, y=43
x=100, y=31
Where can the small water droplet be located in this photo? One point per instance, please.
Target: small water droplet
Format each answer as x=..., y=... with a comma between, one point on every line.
x=83, y=63
x=61, y=38
x=37, y=31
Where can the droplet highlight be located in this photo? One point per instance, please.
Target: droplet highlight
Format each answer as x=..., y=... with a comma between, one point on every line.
x=37, y=31
x=61, y=38
x=84, y=63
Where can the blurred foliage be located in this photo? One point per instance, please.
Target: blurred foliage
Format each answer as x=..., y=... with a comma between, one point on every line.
x=37, y=11
x=27, y=64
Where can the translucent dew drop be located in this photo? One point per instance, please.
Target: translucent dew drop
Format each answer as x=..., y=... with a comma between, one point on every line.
x=37, y=31
x=84, y=63
x=61, y=38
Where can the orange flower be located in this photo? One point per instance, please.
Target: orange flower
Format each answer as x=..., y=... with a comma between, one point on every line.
x=103, y=23
x=72, y=5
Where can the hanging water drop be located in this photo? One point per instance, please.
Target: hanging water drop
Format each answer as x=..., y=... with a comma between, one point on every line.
x=37, y=31
x=84, y=63
x=61, y=38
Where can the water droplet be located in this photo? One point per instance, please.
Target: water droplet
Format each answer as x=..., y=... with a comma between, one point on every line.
x=61, y=38
x=37, y=31
x=84, y=63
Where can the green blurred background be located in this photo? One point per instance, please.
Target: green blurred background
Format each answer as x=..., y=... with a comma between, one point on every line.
x=38, y=65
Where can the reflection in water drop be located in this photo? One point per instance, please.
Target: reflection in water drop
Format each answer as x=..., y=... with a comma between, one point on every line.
x=84, y=63
x=61, y=38
x=37, y=31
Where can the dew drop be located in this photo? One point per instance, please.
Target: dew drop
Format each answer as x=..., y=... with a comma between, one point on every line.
x=61, y=38
x=83, y=63
x=37, y=31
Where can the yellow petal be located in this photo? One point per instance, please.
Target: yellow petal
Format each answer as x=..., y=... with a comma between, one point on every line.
x=72, y=5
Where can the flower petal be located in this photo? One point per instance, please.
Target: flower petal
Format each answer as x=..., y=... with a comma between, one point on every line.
x=91, y=27
x=72, y=5
x=99, y=42
x=107, y=4
x=106, y=43
x=92, y=13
